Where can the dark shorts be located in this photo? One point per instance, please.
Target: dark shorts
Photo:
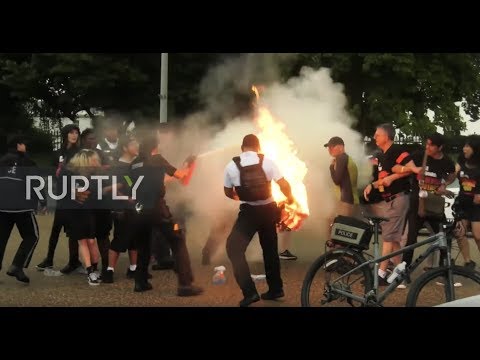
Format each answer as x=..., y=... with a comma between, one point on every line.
x=103, y=223
x=468, y=211
x=122, y=239
x=81, y=224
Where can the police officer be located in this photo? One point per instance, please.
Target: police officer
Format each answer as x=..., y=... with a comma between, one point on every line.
x=248, y=179
x=152, y=210
x=16, y=207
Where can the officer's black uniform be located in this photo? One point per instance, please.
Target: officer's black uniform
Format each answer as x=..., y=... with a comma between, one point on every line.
x=252, y=219
x=16, y=209
x=152, y=210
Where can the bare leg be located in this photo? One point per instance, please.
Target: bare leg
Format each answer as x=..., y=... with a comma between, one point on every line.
x=132, y=255
x=463, y=242
x=284, y=240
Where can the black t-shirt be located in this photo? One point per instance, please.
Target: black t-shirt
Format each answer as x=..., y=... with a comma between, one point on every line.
x=436, y=170
x=395, y=155
x=152, y=188
x=469, y=180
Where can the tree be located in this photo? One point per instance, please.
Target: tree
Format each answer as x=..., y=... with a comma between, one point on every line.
x=56, y=86
x=400, y=88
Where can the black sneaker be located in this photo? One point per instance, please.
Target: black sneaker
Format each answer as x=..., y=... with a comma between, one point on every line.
x=248, y=300
x=165, y=264
x=142, y=286
x=18, y=273
x=272, y=295
x=45, y=264
x=107, y=277
x=69, y=268
x=470, y=265
x=191, y=290
x=131, y=274
x=287, y=255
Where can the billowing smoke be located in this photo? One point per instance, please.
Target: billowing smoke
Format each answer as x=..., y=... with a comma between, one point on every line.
x=311, y=105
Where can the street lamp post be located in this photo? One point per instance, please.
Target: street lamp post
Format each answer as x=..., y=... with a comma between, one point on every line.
x=164, y=89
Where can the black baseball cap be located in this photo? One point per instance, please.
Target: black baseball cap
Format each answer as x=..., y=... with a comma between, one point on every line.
x=334, y=141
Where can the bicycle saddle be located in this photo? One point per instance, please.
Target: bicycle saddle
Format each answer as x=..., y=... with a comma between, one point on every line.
x=375, y=219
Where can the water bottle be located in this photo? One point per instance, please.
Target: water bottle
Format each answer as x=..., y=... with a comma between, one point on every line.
x=51, y=272
x=219, y=276
x=397, y=271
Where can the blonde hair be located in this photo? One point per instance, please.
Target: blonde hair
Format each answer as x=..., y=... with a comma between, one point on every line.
x=80, y=163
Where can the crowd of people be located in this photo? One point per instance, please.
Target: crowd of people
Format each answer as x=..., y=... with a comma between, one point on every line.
x=402, y=188
x=409, y=189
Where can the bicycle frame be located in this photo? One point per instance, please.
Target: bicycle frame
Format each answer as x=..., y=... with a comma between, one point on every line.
x=438, y=241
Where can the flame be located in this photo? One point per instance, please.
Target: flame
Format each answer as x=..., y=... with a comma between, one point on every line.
x=277, y=146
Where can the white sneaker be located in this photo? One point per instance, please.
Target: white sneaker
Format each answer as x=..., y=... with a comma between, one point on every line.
x=93, y=279
x=402, y=286
x=457, y=284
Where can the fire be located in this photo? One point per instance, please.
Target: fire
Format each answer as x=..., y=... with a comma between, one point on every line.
x=277, y=146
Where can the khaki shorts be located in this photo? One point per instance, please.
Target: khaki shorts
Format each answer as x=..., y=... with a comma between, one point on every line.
x=396, y=211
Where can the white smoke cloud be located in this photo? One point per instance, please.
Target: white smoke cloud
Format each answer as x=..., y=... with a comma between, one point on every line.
x=313, y=108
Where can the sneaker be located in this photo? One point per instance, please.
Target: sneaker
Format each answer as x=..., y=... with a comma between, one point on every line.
x=99, y=275
x=382, y=281
x=93, y=279
x=164, y=264
x=131, y=274
x=18, y=274
x=142, y=286
x=69, y=268
x=107, y=277
x=272, y=295
x=191, y=290
x=456, y=284
x=287, y=255
x=45, y=264
x=470, y=265
x=402, y=286
x=248, y=300
x=81, y=270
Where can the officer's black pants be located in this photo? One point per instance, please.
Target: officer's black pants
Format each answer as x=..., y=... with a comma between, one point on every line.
x=252, y=219
x=141, y=229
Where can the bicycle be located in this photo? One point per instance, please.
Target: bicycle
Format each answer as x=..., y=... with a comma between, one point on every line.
x=349, y=277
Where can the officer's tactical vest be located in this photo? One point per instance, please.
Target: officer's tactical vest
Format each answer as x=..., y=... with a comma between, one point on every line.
x=254, y=185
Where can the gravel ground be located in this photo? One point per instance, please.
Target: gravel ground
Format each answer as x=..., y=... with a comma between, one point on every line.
x=73, y=290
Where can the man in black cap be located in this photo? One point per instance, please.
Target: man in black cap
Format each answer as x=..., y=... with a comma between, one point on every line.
x=343, y=171
x=248, y=178
x=17, y=205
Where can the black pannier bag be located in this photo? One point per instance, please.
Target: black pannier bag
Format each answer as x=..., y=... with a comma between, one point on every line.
x=349, y=231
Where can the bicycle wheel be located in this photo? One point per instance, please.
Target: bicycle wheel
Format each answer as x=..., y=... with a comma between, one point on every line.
x=319, y=283
x=430, y=290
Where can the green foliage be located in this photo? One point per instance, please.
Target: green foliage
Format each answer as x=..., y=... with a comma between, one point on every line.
x=400, y=88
